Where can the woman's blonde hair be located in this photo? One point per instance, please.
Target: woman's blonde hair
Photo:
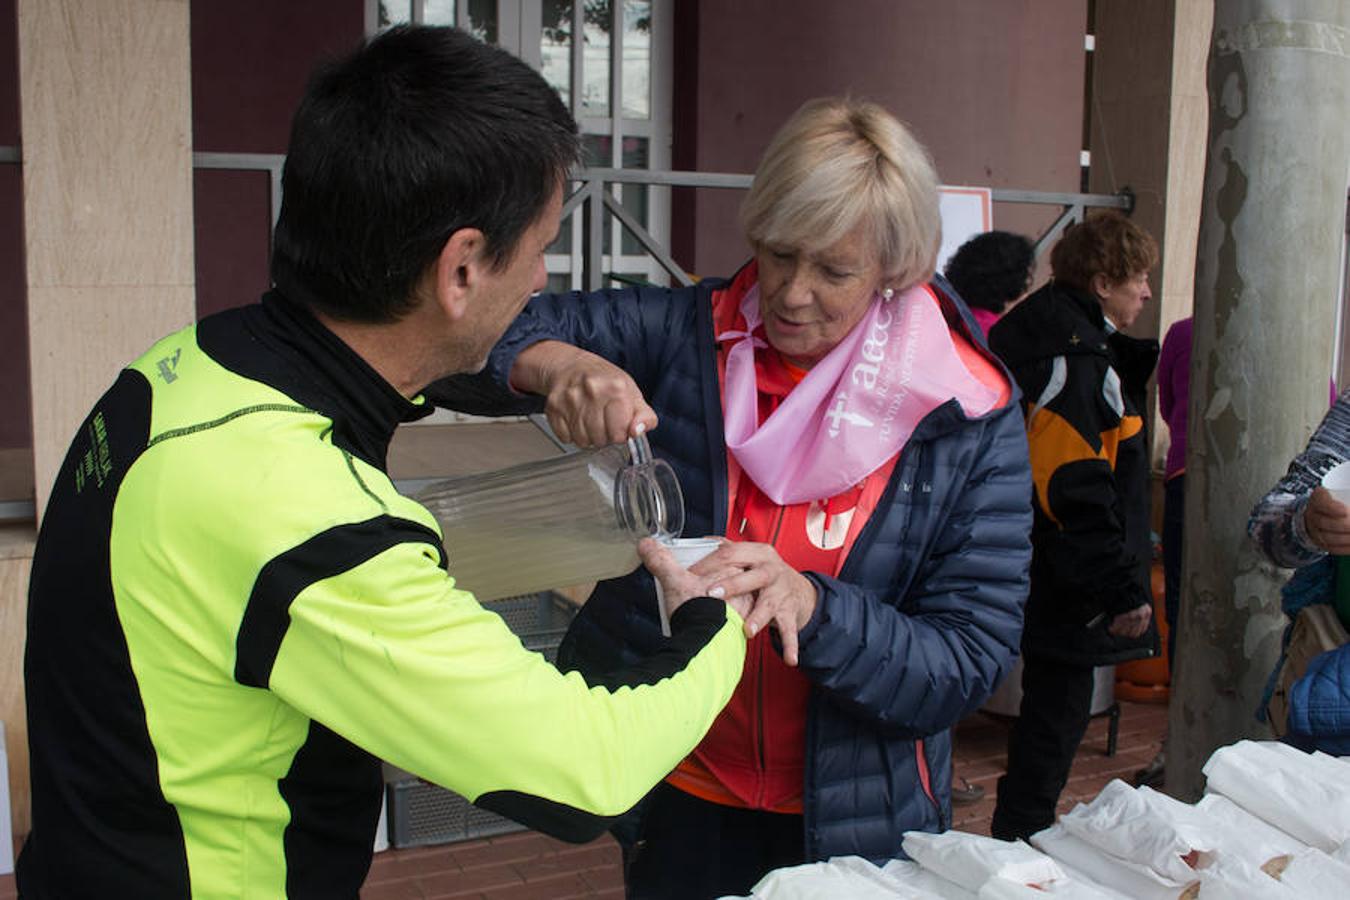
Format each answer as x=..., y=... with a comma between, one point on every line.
x=839, y=163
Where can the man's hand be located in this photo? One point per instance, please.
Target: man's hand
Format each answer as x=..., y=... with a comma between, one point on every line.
x=1327, y=521
x=783, y=597
x=1133, y=623
x=589, y=401
x=678, y=584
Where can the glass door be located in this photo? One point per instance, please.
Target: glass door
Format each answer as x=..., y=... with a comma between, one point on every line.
x=616, y=79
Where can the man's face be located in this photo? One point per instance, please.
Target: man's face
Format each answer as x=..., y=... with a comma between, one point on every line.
x=508, y=289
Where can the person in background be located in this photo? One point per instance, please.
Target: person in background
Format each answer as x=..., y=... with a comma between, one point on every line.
x=869, y=474
x=233, y=614
x=990, y=272
x=1174, y=374
x=1083, y=384
x=1298, y=524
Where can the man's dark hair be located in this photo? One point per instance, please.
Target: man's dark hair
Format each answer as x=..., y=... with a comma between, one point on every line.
x=421, y=132
x=991, y=270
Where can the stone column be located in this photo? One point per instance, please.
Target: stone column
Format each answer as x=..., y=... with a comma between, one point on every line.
x=1266, y=278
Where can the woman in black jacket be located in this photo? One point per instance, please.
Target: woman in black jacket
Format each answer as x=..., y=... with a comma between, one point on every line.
x=1083, y=392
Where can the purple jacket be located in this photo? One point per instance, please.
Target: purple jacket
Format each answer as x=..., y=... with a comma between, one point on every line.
x=1174, y=391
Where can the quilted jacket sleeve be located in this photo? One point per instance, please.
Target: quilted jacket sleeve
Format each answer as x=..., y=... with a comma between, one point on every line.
x=918, y=663
x=1319, y=704
x=631, y=328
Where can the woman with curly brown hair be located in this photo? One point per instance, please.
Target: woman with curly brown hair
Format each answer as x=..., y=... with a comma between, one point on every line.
x=1083, y=393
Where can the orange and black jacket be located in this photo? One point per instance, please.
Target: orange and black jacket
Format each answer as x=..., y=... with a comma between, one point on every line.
x=1083, y=393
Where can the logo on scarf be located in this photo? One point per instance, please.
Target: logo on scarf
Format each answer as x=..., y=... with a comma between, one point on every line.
x=864, y=373
x=838, y=413
x=873, y=350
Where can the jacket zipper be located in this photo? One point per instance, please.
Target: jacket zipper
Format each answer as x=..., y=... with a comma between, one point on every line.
x=926, y=781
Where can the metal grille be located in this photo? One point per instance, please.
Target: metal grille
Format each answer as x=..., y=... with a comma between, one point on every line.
x=425, y=814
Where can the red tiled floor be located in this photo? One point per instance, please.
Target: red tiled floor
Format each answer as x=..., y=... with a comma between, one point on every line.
x=530, y=866
x=543, y=864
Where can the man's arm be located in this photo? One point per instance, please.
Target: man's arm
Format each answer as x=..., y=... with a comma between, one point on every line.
x=391, y=656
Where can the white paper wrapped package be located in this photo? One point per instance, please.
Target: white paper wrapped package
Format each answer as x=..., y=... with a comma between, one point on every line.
x=1233, y=878
x=911, y=874
x=1067, y=887
x=1287, y=788
x=841, y=876
x=1314, y=875
x=970, y=860
x=1121, y=822
x=1132, y=879
x=1236, y=832
x=997, y=888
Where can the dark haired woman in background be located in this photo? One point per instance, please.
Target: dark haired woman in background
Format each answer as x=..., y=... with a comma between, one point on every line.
x=990, y=271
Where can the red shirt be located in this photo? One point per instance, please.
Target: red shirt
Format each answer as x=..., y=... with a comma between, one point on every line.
x=754, y=754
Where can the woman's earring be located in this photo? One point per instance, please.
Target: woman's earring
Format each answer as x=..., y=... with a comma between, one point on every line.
x=888, y=294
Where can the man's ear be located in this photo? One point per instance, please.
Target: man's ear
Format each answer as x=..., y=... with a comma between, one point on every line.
x=458, y=271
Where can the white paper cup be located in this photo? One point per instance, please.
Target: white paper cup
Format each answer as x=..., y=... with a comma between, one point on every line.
x=686, y=551
x=1337, y=481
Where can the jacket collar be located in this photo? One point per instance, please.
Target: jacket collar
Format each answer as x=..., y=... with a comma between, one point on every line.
x=1057, y=320
x=318, y=369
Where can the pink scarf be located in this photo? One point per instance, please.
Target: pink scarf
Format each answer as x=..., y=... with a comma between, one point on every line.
x=856, y=408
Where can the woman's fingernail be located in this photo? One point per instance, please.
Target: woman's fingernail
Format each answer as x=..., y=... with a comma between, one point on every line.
x=719, y=592
x=641, y=428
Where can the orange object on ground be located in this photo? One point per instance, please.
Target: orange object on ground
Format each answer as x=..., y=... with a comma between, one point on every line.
x=1148, y=680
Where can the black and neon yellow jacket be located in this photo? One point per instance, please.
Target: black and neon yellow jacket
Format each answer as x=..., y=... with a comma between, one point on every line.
x=233, y=616
x=1083, y=394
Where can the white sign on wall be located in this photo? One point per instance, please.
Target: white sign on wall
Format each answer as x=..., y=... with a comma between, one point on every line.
x=966, y=212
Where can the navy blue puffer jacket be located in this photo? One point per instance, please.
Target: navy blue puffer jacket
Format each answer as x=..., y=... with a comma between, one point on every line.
x=924, y=619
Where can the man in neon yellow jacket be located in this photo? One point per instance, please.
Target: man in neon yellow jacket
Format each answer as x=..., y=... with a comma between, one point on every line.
x=233, y=614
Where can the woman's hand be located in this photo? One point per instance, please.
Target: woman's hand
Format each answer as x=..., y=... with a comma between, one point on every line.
x=783, y=597
x=589, y=401
x=1327, y=521
x=1131, y=624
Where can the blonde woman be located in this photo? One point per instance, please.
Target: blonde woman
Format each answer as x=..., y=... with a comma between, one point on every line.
x=832, y=416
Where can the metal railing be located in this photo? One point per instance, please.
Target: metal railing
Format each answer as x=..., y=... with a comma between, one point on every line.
x=592, y=198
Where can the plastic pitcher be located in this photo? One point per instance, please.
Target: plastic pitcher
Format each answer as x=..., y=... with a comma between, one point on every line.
x=556, y=522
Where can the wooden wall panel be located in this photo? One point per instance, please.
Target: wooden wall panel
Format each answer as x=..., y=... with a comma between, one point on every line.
x=105, y=105
x=89, y=333
x=995, y=91
x=1129, y=112
x=16, y=559
x=1188, y=136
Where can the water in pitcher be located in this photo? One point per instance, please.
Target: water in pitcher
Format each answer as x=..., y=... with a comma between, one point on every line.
x=560, y=521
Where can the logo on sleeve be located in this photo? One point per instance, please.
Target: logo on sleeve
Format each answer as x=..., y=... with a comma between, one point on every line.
x=96, y=463
x=168, y=366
